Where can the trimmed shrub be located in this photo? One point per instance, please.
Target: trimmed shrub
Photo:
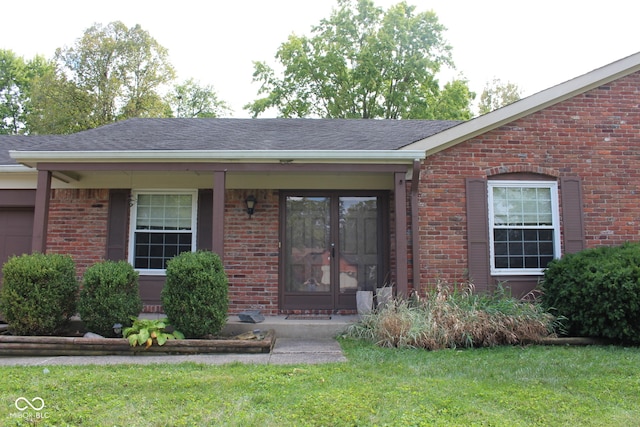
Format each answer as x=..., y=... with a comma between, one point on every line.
x=447, y=318
x=598, y=291
x=39, y=293
x=195, y=295
x=109, y=295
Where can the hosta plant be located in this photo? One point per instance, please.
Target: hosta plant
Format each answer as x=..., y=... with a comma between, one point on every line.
x=147, y=331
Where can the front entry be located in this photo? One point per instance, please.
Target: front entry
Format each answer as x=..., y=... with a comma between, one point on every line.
x=332, y=246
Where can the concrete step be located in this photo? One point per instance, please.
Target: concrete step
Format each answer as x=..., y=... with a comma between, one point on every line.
x=307, y=328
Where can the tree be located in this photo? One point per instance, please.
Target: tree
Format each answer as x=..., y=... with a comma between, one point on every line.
x=192, y=100
x=364, y=63
x=119, y=69
x=497, y=94
x=16, y=77
x=59, y=106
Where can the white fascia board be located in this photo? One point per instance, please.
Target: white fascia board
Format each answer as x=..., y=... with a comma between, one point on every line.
x=527, y=106
x=251, y=156
x=15, y=169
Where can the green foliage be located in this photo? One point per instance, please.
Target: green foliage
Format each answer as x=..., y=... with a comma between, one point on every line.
x=191, y=100
x=598, y=291
x=363, y=62
x=147, y=331
x=39, y=293
x=16, y=81
x=447, y=318
x=195, y=294
x=497, y=94
x=109, y=295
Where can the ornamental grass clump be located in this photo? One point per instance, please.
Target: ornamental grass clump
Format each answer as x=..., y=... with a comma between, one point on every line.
x=446, y=318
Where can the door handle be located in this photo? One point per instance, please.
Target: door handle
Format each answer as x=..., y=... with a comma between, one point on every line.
x=333, y=250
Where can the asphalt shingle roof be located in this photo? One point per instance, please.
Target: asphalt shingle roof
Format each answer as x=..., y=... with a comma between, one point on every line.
x=233, y=134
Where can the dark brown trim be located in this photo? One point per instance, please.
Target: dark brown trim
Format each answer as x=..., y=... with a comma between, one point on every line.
x=572, y=214
x=478, y=233
x=400, y=199
x=17, y=198
x=205, y=219
x=217, y=227
x=415, y=235
x=41, y=212
x=223, y=167
x=117, y=224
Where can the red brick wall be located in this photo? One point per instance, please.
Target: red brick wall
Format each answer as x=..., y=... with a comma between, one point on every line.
x=595, y=136
x=251, y=251
x=78, y=225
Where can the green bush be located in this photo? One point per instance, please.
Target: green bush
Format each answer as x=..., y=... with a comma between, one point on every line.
x=195, y=295
x=39, y=293
x=109, y=295
x=598, y=291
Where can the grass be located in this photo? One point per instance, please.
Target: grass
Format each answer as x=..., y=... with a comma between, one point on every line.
x=500, y=386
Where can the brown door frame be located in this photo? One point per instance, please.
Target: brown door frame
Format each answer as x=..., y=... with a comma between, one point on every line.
x=335, y=301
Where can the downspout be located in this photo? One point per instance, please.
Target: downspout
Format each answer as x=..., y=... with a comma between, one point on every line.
x=415, y=235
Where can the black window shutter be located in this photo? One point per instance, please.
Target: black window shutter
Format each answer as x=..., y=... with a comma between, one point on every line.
x=205, y=219
x=117, y=227
x=572, y=216
x=478, y=233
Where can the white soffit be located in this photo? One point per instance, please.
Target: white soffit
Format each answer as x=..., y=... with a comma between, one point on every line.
x=527, y=106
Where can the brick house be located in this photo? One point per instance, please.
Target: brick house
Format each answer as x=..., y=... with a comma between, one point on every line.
x=340, y=205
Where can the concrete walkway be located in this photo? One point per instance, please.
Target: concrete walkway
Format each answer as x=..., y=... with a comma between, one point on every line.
x=287, y=351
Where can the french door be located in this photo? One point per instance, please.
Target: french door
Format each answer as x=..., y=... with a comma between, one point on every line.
x=332, y=246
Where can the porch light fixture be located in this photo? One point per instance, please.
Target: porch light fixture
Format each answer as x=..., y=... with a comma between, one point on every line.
x=250, y=201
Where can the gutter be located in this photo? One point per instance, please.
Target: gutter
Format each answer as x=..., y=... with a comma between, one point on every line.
x=31, y=158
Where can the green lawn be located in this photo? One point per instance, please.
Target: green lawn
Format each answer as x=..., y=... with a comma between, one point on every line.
x=505, y=386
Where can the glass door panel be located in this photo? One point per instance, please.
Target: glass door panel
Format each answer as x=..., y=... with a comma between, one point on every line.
x=307, y=245
x=358, y=266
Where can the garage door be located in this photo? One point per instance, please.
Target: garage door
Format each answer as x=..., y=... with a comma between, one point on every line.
x=16, y=227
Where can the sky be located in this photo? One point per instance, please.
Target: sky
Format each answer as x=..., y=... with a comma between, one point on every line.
x=534, y=44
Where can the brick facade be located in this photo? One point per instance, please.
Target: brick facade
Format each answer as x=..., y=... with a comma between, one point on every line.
x=78, y=225
x=595, y=136
x=251, y=251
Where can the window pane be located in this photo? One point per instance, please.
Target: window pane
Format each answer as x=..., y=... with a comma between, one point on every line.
x=153, y=250
x=522, y=224
x=164, y=212
x=522, y=248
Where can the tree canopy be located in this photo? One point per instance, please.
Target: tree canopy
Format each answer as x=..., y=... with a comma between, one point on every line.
x=363, y=62
x=192, y=100
x=497, y=94
x=16, y=78
x=111, y=73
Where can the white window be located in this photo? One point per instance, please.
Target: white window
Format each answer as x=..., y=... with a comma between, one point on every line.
x=524, y=231
x=163, y=224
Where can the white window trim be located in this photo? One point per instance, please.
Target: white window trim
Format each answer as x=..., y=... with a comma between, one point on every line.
x=133, y=220
x=555, y=217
